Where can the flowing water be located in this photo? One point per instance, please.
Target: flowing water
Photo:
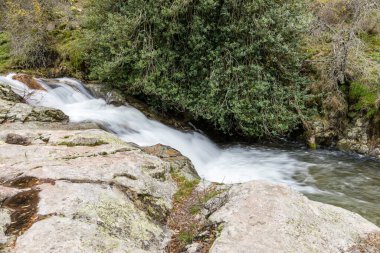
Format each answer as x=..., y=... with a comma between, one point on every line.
x=348, y=181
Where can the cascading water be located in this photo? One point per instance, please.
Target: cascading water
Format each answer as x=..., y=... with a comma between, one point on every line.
x=231, y=165
x=309, y=172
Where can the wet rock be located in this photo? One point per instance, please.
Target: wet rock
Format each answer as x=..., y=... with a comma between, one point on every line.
x=20, y=112
x=7, y=94
x=117, y=98
x=24, y=211
x=358, y=135
x=28, y=81
x=323, y=133
x=110, y=96
x=264, y=217
x=13, y=110
x=375, y=152
x=45, y=114
x=177, y=161
x=17, y=139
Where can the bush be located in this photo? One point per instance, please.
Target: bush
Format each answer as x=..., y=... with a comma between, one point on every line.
x=26, y=22
x=365, y=98
x=343, y=51
x=233, y=63
x=4, y=51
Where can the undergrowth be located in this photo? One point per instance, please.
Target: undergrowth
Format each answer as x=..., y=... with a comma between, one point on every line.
x=4, y=52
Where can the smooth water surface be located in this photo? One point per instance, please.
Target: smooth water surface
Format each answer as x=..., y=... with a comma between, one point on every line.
x=332, y=177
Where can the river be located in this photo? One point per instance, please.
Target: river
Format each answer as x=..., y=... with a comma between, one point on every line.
x=333, y=177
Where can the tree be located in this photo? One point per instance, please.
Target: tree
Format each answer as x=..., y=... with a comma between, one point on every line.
x=233, y=63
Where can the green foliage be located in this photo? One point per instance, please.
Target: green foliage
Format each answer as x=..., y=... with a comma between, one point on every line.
x=71, y=47
x=232, y=63
x=343, y=47
x=365, y=97
x=373, y=45
x=185, y=187
x=4, y=51
x=26, y=22
x=186, y=237
x=203, y=198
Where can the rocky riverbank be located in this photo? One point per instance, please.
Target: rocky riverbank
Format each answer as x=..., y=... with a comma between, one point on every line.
x=75, y=188
x=358, y=135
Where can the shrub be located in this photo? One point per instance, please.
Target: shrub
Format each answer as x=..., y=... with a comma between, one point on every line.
x=26, y=22
x=365, y=97
x=4, y=51
x=342, y=49
x=233, y=63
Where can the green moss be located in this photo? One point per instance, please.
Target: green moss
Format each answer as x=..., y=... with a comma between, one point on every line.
x=365, y=97
x=73, y=144
x=152, y=206
x=194, y=210
x=373, y=45
x=122, y=220
x=185, y=187
x=71, y=47
x=211, y=194
x=186, y=237
x=312, y=145
x=204, y=197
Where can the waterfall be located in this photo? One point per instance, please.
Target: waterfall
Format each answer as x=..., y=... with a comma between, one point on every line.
x=228, y=165
x=328, y=176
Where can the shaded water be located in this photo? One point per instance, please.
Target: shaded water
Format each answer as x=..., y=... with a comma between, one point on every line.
x=332, y=177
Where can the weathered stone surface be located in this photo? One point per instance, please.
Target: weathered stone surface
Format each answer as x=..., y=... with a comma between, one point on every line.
x=357, y=136
x=113, y=216
x=7, y=94
x=91, y=185
x=109, y=95
x=368, y=244
x=28, y=81
x=17, y=139
x=262, y=217
x=45, y=114
x=177, y=161
x=12, y=110
x=7, y=192
x=5, y=220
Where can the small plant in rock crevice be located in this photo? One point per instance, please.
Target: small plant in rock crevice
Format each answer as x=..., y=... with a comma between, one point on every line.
x=187, y=220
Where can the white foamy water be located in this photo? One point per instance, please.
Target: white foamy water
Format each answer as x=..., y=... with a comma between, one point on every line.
x=229, y=165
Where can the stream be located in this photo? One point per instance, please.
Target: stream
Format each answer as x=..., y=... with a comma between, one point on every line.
x=345, y=180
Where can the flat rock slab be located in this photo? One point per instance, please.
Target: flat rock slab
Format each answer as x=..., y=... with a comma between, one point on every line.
x=89, y=218
x=81, y=191
x=262, y=217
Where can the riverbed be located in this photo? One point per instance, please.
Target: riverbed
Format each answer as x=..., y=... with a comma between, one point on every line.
x=346, y=180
